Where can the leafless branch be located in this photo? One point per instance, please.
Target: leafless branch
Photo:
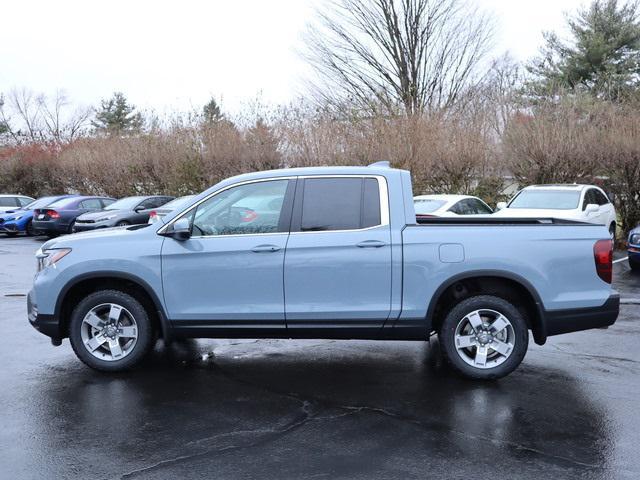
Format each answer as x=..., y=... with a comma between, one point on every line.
x=413, y=55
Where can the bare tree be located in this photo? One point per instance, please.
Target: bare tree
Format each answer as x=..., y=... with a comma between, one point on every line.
x=412, y=55
x=30, y=117
x=60, y=125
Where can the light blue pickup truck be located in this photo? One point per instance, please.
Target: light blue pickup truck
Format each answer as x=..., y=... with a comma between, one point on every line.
x=332, y=252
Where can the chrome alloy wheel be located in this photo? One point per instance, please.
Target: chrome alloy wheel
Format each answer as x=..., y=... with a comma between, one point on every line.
x=109, y=332
x=484, y=338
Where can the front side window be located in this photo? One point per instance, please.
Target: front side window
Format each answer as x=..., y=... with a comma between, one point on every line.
x=243, y=210
x=589, y=198
x=601, y=198
x=24, y=201
x=340, y=204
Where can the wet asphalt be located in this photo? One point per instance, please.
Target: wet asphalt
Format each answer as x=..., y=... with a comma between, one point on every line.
x=244, y=409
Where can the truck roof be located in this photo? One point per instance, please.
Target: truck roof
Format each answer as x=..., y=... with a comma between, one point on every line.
x=375, y=169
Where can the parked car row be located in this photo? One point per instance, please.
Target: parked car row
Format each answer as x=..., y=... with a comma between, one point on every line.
x=56, y=215
x=584, y=203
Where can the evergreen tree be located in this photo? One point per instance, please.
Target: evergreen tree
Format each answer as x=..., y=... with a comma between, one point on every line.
x=211, y=112
x=117, y=116
x=602, y=57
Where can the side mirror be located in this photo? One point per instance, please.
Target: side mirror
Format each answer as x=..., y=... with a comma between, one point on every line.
x=181, y=229
x=592, y=208
x=500, y=205
x=139, y=208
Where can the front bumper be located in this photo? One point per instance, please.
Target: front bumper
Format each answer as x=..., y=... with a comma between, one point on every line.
x=577, y=319
x=46, y=324
x=10, y=227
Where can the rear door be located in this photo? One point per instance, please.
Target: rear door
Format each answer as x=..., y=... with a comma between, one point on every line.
x=337, y=268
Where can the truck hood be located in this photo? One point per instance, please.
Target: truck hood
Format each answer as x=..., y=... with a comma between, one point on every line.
x=111, y=235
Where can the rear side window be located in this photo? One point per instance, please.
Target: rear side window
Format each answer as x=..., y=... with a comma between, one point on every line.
x=8, y=202
x=478, y=207
x=91, y=204
x=340, y=204
x=107, y=201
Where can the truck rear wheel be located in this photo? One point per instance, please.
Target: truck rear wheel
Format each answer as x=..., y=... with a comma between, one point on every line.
x=110, y=331
x=484, y=337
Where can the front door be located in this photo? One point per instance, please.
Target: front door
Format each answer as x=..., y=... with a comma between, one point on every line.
x=229, y=273
x=338, y=259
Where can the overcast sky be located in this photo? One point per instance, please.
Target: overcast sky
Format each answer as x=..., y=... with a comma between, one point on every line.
x=177, y=54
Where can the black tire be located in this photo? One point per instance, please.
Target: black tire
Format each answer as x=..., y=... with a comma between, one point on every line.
x=30, y=232
x=71, y=225
x=612, y=232
x=11, y=234
x=122, y=223
x=145, y=338
x=447, y=337
x=634, y=265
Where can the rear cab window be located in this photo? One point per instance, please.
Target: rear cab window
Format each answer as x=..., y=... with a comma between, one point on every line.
x=338, y=203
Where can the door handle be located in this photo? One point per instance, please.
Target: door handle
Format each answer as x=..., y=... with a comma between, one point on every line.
x=371, y=244
x=265, y=248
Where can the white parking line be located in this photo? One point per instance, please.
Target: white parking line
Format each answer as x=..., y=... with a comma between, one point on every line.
x=621, y=260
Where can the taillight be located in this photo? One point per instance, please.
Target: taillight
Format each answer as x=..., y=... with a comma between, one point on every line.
x=52, y=214
x=249, y=216
x=603, y=255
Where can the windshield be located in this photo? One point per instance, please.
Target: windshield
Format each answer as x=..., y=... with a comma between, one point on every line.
x=425, y=206
x=127, y=203
x=39, y=203
x=547, y=199
x=177, y=202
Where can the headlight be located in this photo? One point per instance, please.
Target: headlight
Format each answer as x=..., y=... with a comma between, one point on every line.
x=635, y=239
x=108, y=217
x=48, y=258
x=12, y=219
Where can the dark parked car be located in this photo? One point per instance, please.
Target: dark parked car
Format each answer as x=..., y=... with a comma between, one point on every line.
x=59, y=216
x=20, y=220
x=126, y=211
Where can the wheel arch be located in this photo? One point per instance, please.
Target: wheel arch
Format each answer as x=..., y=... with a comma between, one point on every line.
x=510, y=285
x=125, y=282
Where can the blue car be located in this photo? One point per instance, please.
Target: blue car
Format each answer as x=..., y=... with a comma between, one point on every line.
x=633, y=248
x=13, y=222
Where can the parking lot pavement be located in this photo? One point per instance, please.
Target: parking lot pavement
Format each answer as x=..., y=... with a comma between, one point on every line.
x=309, y=409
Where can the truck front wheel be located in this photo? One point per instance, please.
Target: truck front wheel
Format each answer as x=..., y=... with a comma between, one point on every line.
x=110, y=331
x=484, y=337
